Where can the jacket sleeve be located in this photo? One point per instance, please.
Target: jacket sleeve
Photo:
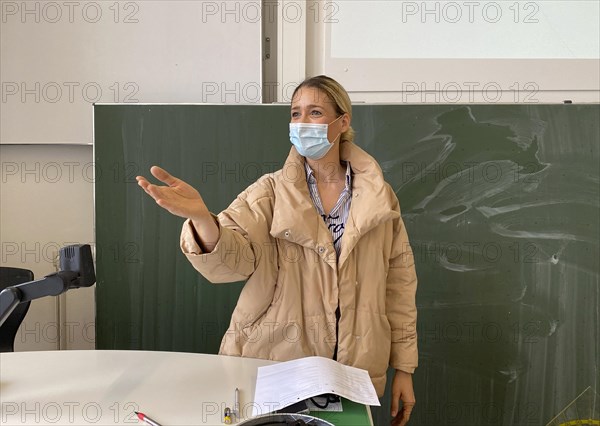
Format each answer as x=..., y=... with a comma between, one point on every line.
x=400, y=300
x=233, y=257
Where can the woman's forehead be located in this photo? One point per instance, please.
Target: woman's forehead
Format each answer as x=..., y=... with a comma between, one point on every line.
x=312, y=96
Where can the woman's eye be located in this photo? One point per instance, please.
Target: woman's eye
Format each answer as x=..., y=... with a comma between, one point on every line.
x=316, y=112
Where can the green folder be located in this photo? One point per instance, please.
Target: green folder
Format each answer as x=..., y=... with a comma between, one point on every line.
x=353, y=414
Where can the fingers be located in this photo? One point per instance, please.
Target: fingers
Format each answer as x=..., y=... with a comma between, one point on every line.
x=177, y=197
x=164, y=176
x=407, y=410
x=142, y=181
x=154, y=190
x=395, y=398
x=402, y=418
x=151, y=190
x=408, y=407
x=396, y=394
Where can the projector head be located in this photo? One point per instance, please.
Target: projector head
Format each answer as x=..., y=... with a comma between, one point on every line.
x=78, y=259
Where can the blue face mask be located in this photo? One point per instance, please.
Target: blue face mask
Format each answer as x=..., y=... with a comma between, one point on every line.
x=310, y=139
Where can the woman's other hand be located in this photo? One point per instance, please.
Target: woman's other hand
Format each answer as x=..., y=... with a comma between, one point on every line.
x=402, y=389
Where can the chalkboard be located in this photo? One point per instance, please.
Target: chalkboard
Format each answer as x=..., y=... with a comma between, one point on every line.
x=501, y=204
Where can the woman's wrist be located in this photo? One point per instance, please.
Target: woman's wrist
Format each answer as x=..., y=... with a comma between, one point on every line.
x=206, y=232
x=202, y=218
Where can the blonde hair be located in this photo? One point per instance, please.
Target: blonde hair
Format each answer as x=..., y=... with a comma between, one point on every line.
x=336, y=94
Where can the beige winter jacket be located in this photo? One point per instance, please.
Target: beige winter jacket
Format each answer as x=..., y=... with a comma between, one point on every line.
x=273, y=237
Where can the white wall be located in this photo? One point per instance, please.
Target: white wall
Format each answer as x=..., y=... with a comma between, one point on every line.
x=382, y=29
x=128, y=51
x=418, y=52
x=56, y=60
x=46, y=193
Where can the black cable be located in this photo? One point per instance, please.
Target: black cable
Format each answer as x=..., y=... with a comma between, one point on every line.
x=329, y=398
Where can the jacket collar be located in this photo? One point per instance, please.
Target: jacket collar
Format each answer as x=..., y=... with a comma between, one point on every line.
x=296, y=219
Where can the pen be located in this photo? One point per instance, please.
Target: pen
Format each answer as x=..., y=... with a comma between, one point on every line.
x=146, y=419
x=236, y=404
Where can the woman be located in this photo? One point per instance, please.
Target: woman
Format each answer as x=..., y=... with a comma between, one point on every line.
x=322, y=246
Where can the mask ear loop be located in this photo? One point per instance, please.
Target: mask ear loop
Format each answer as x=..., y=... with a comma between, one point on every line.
x=340, y=133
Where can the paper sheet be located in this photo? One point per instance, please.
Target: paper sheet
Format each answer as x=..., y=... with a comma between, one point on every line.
x=283, y=384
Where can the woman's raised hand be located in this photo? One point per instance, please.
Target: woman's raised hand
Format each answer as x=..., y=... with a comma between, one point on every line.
x=177, y=197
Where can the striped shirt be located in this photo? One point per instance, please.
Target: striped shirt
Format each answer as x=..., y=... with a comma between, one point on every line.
x=336, y=219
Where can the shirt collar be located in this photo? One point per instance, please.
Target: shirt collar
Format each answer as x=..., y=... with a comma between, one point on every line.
x=310, y=176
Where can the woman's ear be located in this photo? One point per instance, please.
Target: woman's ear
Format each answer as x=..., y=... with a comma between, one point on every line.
x=345, y=122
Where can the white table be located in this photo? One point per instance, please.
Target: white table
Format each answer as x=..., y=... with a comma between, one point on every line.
x=106, y=387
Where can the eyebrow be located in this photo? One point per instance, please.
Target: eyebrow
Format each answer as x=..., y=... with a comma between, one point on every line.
x=308, y=106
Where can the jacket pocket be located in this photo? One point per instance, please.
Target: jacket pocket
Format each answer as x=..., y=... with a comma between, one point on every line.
x=272, y=308
x=280, y=282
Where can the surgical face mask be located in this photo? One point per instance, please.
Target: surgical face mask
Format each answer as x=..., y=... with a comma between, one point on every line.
x=310, y=139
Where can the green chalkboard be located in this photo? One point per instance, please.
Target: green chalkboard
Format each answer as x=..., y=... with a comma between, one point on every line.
x=501, y=203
